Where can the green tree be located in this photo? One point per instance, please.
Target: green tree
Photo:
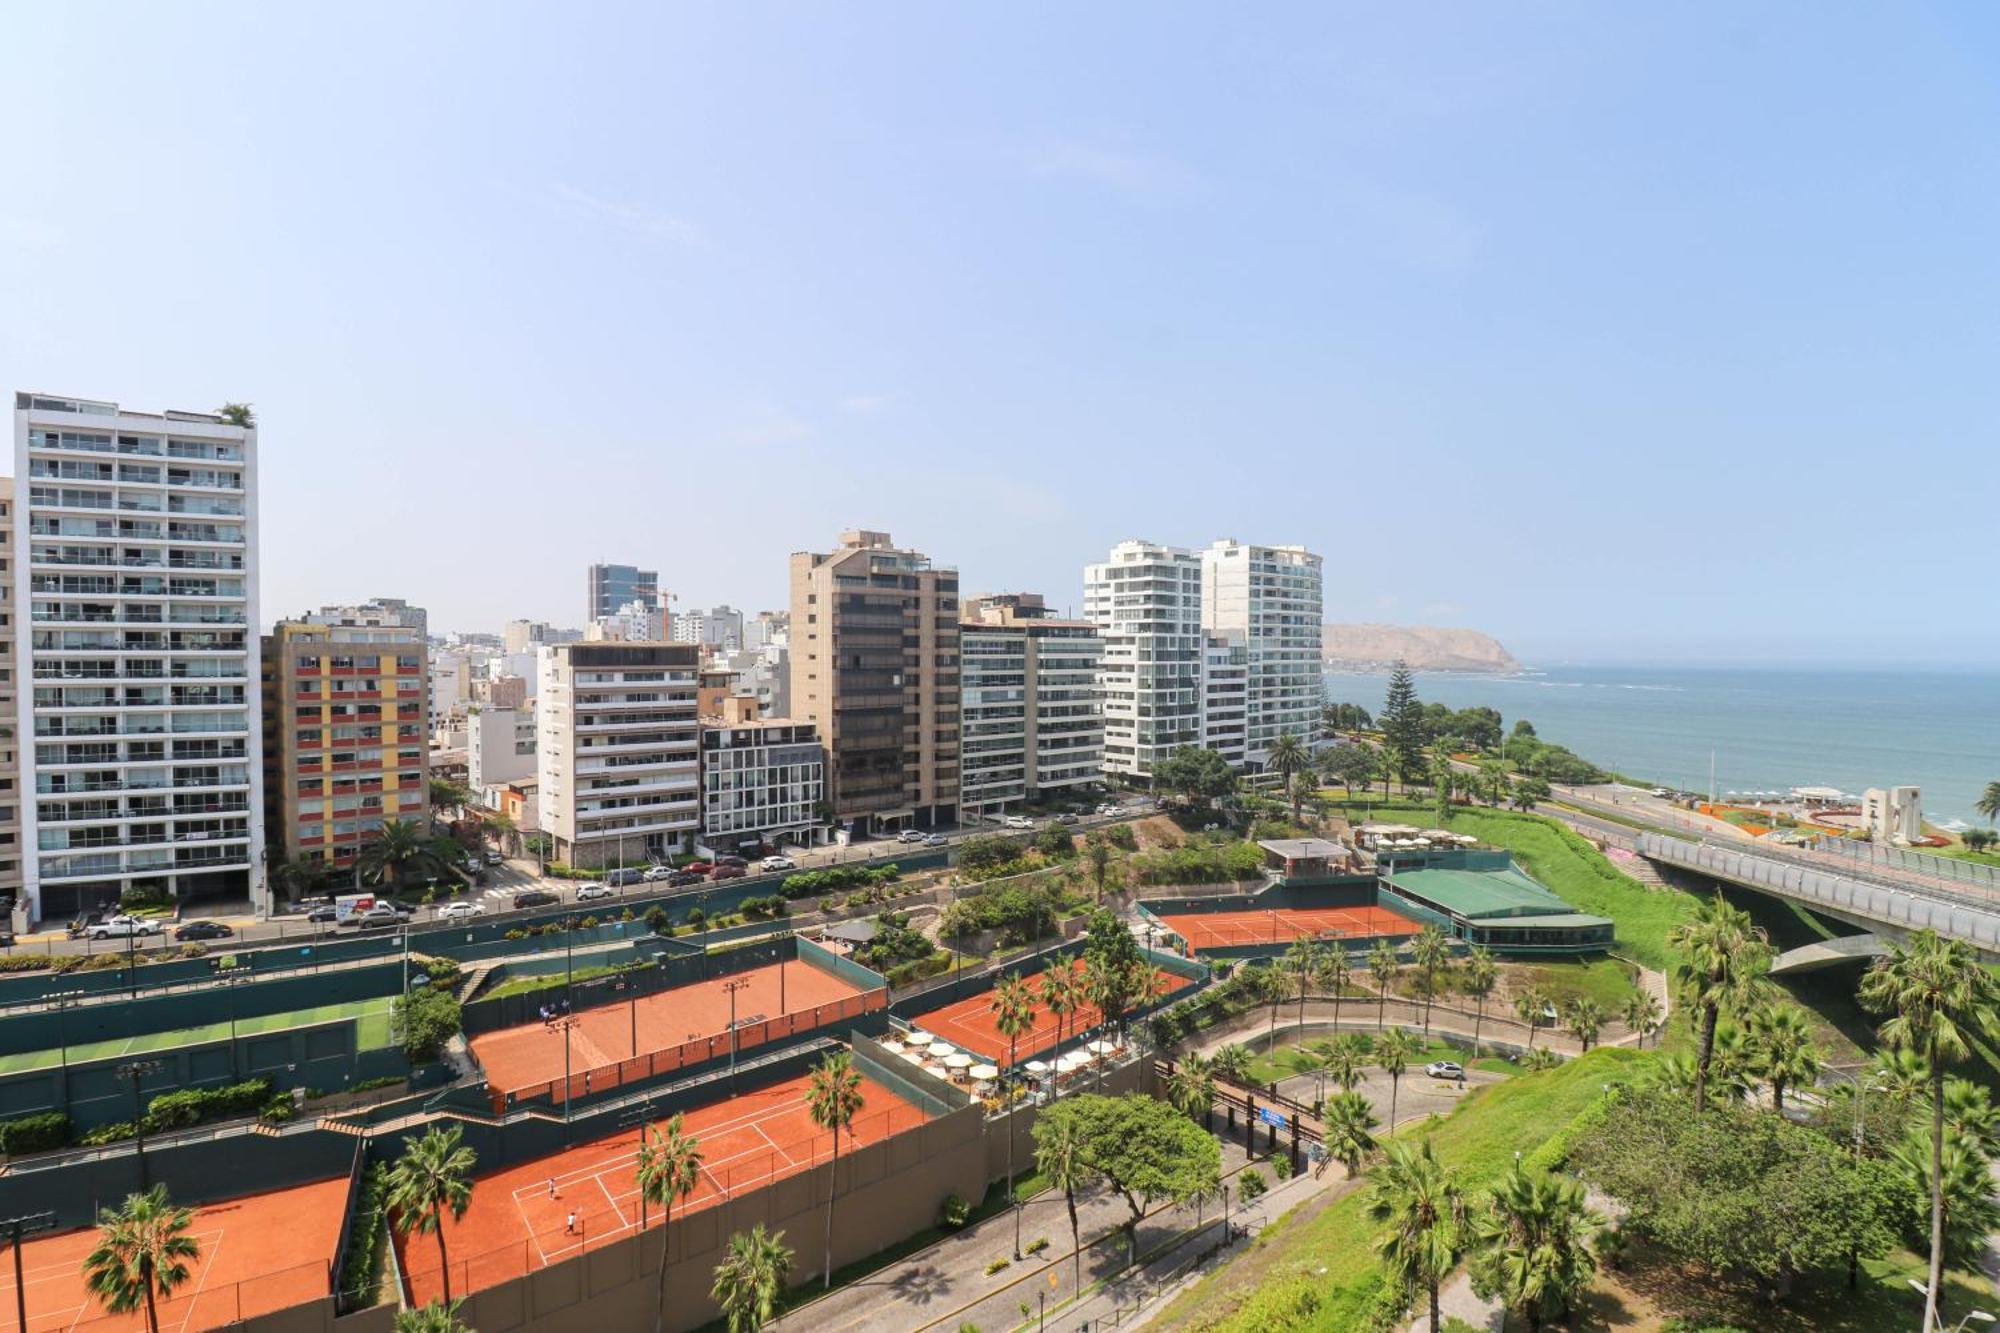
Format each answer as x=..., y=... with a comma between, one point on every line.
x=142, y=1254
x=1191, y=1086
x=1584, y=1018
x=437, y=1317
x=1444, y=779
x=1970, y=1214
x=1062, y=992
x=1419, y=1204
x=1288, y=756
x=1383, y=962
x=433, y=1176
x=833, y=1099
x=1782, y=1051
x=1724, y=959
x=1403, y=725
x=1097, y=854
x=1970, y=1113
x=1345, y=1058
x=1013, y=1009
x=1531, y=1007
x=1643, y=1016
x=1336, y=972
x=1534, y=1249
x=1430, y=951
x=1142, y=1149
x=1350, y=1129
x=1304, y=961
x=669, y=1169
x=1938, y=995
x=1350, y=765
x=1988, y=803
x=1199, y=776
x=1112, y=968
x=1061, y=1158
x=1393, y=1051
x=238, y=414
x=424, y=1021
x=1232, y=1063
x=750, y=1279
x=1478, y=978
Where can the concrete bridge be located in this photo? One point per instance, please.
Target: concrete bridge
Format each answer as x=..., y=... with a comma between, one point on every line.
x=1829, y=953
x=1874, y=902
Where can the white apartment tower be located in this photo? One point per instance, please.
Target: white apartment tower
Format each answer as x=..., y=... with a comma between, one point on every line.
x=1145, y=600
x=1266, y=599
x=1032, y=717
x=135, y=572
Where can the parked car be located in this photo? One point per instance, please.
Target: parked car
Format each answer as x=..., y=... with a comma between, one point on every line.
x=534, y=898
x=590, y=893
x=721, y=873
x=682, y=878
x=495, y=857
x=1445, y=1069
x=736, y=861
x=1019, y=821
x=202, y=930
x=776, y=863
x=936, y=840
x=124, y=927
x=617, y=879
x=323, y=915
x=382, y=916
x=1067, y=818
x=459, y=911
x=699, y=867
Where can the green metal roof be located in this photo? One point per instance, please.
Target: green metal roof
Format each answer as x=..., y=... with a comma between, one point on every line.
x=1553, y=921
x=1478, y=894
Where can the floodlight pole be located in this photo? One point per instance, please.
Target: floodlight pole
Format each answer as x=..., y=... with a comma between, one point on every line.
x=17, y=1227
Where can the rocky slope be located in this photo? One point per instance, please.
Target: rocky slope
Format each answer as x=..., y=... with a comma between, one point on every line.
x=1358, y=647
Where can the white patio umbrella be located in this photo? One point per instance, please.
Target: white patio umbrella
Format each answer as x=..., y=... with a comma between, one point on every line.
x=958, y=1060
x=984, y=1073
x=914, y=1057
x=1037, y=1067
x=941, y=1049
x=1101, y=1047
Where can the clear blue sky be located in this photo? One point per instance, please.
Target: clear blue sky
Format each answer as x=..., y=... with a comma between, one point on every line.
x=1621, y=333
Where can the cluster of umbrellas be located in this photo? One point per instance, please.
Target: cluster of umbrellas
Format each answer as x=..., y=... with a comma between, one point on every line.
x=940, y=1058
x=1408, y=837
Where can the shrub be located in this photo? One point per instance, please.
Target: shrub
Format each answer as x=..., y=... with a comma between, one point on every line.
x=111, y=1133
x=1056, y=842
x=953, y=1213
x=812, y=883
x=1250, y=1185
x=386, y=1081
x=1122, y=836
x=278, y=1110
x=191, y=1106
x=516, y=934
x=1021, y=915
x=904, y=974
x=34, y=1133
x=988, y=849
x=1037, y=1245
x=361, y=1275
x=696, y=918
x=27, y=962
x=997, y=1265
x=657, y=920
x=588, y=922
x=424, y=1021
x=1281, y=1166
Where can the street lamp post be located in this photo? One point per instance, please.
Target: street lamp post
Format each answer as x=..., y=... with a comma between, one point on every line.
x=733, y=985
x=23, y=1225
x=135, y=1071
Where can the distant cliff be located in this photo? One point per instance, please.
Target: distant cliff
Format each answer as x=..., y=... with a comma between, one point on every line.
x=1357, y=647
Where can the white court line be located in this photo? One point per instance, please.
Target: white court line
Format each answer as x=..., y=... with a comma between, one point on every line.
x=616, y=1211
x=764, y=1135
x=201, y=1288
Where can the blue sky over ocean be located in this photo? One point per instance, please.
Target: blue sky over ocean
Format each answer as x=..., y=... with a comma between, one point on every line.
x=1623, y=334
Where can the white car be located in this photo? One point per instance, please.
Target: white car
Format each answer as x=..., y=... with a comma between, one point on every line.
x=654, y=874
x=1451, y=1069
x=776, y=863
x=1019, y=821
x=460, y=911
x=590, y=893
x=494, y=857
x=910, y=835
x=125, y=927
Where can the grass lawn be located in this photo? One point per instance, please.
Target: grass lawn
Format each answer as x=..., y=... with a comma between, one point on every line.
x=371, y=1032
x=1288, y=1059
x=1605, y=980
x=522, y=985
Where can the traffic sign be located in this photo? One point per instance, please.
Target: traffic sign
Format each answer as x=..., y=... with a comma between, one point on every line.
x=1270, y=1117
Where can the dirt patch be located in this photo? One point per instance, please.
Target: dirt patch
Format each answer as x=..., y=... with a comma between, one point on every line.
x=1157, y=831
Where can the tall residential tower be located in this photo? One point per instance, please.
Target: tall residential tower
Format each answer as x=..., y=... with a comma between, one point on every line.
x=1266, y=600
x=1145, y=600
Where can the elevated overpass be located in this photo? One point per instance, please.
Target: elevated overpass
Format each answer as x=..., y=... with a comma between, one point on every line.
x=1864, y=898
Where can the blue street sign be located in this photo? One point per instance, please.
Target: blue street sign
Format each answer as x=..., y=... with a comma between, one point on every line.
x=1270, y=1117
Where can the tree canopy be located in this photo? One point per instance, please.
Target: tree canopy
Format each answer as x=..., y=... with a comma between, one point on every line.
x=1196, y=774
x=1142, y=1149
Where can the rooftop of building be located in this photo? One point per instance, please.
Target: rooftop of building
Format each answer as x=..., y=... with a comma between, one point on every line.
x=1304, y=849
x=1481, y=893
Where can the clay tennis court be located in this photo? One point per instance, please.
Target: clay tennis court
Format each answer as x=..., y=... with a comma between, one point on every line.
x=667, y=1030
x=515, y=1225
x=1282, y=925
x=969, y=1022
x=259, y=1253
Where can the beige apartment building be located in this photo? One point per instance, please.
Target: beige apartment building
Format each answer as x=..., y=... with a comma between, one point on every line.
x=875, y=668
x=10, y=755
x=1033, y=714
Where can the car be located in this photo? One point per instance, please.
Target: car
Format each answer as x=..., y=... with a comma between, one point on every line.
x=736, y=861
x=1067, y=818
x=125, y=927
x=910, y=835
x=590, y=893
x=1451, y=1069
x=495, y=857
x=654, y=874
x=534, y=898
x=682, y=878
x=618, y=879
x=936, y=840
x=459, y=911
x=202, y=930
x=320, y=916
x=699, y=867
x=1019, y=821
x=776, y=863
x=382, y=916
x=721, y=873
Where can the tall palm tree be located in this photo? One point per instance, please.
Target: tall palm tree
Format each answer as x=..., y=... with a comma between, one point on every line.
x=1420, y=1204
x=1383, y=962
x=1304, y=789
x=1430, y=950
x=1477, y=979
x=1289, y=755
x=1232, y=1062
x=433, y=1175
x=1782, y=1050
x=437, y=1317
x=1013, y=1008
x=142, y=1254
x=1097, y=854
x=1393, y=1051
x=1062, y=992
x=1346, y=1058
x=1970, y=1211
x=1723, y=962
x=669, y=1169
x=1530, y=1006
x=750, y=1279
x=833, y=1099
x=1062, y=1158
x=1304, y=960
x=1191, y=1087
x=1938, y=994
x=1585, y=1019
x=1988, y=803
x=1336, y=972
x=1900, y=1074
x=1535, y=1237
x=398, y=846
x=1970, y=1113
x=1350, y=1129
x=1643, y=1016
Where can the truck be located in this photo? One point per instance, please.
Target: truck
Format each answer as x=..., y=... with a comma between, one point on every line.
x=347, y=906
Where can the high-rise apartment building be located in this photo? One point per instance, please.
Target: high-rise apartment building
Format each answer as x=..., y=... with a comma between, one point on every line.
x=10, y=753
x=346, y=731
x=1267, y=599
x=612, y=586
x=719, y=627
x=499, y=745
x=874, y=666
x=618, y=760
x=1225, y=699
x=381, y=610
x=1145, y=600
x=135, y=566
x=1032, y=715
x=763, y=779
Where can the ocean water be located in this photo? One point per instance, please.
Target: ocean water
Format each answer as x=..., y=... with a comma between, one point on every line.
x=1771, y=729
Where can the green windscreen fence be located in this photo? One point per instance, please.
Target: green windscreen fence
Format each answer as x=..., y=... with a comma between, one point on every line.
x=849, y=971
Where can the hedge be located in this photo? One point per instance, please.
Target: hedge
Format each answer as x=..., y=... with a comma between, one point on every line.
x=361, y=1275
x=191, y=1106
x=903, y=974
x=34, y=1133
x=809, y=883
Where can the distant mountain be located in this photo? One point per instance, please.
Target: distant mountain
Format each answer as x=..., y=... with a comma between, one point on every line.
x=1357, y=647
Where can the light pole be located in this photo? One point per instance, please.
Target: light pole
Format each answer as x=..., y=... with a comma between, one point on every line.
x=1980, y=1316
x=17, y=1227
x=733, y=985
x=134, y=1071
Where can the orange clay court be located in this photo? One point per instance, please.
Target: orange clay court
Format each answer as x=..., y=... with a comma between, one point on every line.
x=1282, y=925
x=259, y=1253
x=531, y=1056
x=969, y=1022
x=515, y=1225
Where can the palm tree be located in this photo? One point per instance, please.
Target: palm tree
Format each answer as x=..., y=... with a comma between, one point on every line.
x=1393, y=1052
x=1480, y=975
x=1938, y=994
x=1988, y=803
x=1643, y=1016
x=1430, y=950
x=433, y=1174
x=1304, y=791
x=750, y=1279
x=1969, y=1112
x=1062, y=993
x=1336, y=971
x=1232, y=1063
x=398, y=845
x=833, y=1099
x=1346, y=1058
x=1289, y=755
x=1723, y=961
x=1383, y=961
x=1535, y=1237
x=1419, y=1202
x=1900, y=1074
x=1062, y=1159
x=142, y=1254
x=437, y=1317
x=669, y=1169
x=1585, y=1019
x=1530, y=1006
x=1782, y=1050
x=1443, y=779
x=1097, y=854
x=1191, y=1087
x=1732, y=1074
x=1305, y=959
x=1350, y=1129
x=1013, y=1008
